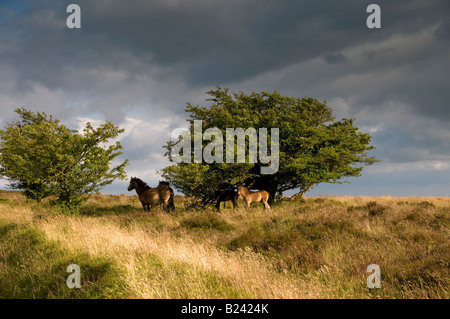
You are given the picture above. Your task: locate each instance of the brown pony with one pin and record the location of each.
(149, 197)
(250, 196)
(227, 195)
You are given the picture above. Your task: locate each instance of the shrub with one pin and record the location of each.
(374, 209)
(206, 221)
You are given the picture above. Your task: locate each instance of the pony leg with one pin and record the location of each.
(171, 204)
(218, 206)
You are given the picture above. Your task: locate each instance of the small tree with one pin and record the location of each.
(43, 157)
(313, 148)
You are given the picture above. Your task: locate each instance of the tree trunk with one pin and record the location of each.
(302, 192)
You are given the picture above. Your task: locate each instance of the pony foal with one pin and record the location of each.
(250, 196)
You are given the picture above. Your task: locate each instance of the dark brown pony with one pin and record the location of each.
(227, 195)
(163, 185)
(249, 196)
(149, 197)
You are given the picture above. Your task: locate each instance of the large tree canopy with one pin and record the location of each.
(44, 157)
(313, 147)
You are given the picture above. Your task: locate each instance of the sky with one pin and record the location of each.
(138, 64)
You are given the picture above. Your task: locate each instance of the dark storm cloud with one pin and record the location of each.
(212, 41)
(334, 58)
(206, 43)
(217, 41)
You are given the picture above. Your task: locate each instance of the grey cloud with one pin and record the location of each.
(443, 31)
(333, 58)
(212, 42)
(216, 41)
(397, 183)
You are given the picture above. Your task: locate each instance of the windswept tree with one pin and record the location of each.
(312, 147)
(43, 157)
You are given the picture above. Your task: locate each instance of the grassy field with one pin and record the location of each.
(318, 247)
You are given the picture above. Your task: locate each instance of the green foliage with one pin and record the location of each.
(43, 157)
(313, 148)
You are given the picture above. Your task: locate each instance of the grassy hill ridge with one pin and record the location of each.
(318, 247)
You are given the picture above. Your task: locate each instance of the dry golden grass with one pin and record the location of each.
(316, 248)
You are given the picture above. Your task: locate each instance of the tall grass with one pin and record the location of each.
(312, 248)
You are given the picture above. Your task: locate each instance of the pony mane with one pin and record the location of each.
(164, 183)
(141, 183)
